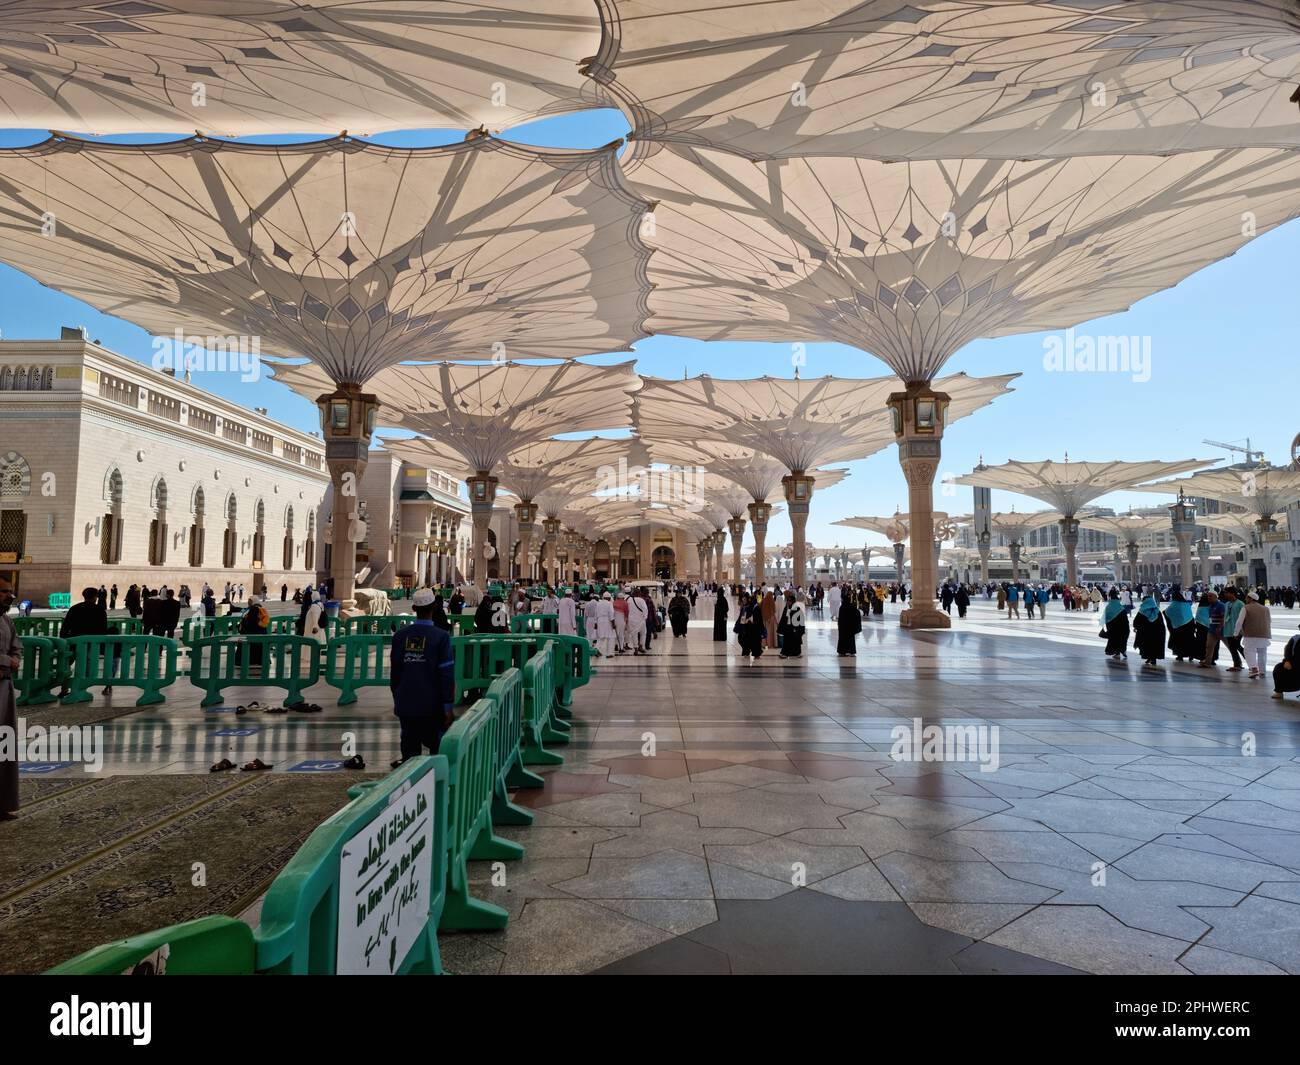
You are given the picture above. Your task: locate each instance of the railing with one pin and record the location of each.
(288, 662)
(146, 662)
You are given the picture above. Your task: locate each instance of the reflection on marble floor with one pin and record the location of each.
(717, 816)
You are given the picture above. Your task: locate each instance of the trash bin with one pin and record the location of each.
(331, 608)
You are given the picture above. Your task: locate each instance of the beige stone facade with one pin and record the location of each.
(114, 473)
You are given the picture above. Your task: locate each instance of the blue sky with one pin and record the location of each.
(1225, 365)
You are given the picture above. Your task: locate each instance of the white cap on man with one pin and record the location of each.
(423, 597)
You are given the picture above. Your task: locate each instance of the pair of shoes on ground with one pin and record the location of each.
(256, 765)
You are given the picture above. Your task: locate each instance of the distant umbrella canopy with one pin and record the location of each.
(756, 472)
(911, 261)
(1068, 486)
(1128, 528)
(277, 66)
(527, 471)
(896, 528)
(942, 79)
(802, 423)
(352, 255)
(483, 414)
(1263, 491)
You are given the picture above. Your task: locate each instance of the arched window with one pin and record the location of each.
(47, 379)
(110, 527)
(6, 379)
(230, 541)
(259, 535)
(158, 526)
(20, 379)
(15, 477)
(288, 539)
(34, 378)
(309, 547)
(196, 528)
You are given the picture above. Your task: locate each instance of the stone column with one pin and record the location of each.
(1132, 551)
(984, 562)
(1183, 518)
(719, 546)
(798, 488)
(899, 551)
(736, 526)
(551, 531)
(1070, 540)
(1013, 549)
(918, 414)
(482, 496)
(526, 518)
(347, 421)
(866, 565)
(1203, 552)
(759, 513)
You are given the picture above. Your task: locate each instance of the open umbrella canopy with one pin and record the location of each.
(1264, 491)
(350, 254)
(484, 413)
(931, 79)
(1068, 486)
(911, 261)
(1127, 528)
(529, 470)
(275, 66)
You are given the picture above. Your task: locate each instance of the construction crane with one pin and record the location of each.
(1247, 450)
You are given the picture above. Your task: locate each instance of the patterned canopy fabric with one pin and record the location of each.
(1068, 486)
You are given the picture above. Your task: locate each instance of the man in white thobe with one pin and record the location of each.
(568, 612)
(637, 613)
(833, 598)
(603, 613)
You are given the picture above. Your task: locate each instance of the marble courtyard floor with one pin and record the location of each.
(718, 816)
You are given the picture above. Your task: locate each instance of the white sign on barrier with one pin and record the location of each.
(385, 884)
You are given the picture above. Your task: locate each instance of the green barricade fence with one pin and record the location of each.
(48, 625)
(539, 700)
(353, 662)
(196, 629)
(146, 662)
(44, 659)
(288, 662)
(357, 872)
(535, 623)
(508, 694)
(461, 624)
(208, 946)
(60, 600)
(396, 593)
(283, 625)
(385, 624)
(126, 626)
(479, 661)
(470, 749)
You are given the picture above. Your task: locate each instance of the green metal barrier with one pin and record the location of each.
(508, 694)
(42, 670)
(479, 661)
(539, 699)
(48, 625)
(461, 624)
(208, 946)
(535, 623)
(126, 626)
(203, 628)
(353, 662)
(288, 662)
(396, 593)
(146, 662)
(470, 749)
(283, 625)
(60, 600)
(299, 929)
(383, 624)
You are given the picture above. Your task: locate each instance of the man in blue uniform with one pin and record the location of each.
(422, 674)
